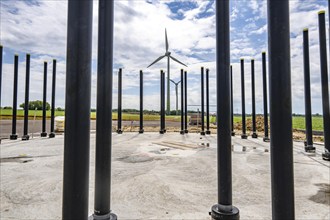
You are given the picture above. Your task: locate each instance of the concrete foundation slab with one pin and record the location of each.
(169, 176)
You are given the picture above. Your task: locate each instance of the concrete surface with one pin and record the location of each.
(159, 177)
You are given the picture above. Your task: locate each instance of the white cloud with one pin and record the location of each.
(139, 39)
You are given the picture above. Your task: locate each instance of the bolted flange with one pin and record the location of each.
(216, 214)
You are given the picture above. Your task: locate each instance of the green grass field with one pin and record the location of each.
(298, 122)
(7, 113)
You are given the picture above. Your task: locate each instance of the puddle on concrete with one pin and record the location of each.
(136, 158)
(323, 194)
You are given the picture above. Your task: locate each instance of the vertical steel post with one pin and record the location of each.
(141, 102)
(119, 111)
(243, 136)
(308, 107)
(281, 148)
(224, 208)
(254, 128)
(207, 103)
(264, 83)
(182, 102)
(162, 102)
(52, 117)
(44, 100)
(325, 85)
(185, 104)
(164, 112)
(26, 103)
(1, 58)
(13, 135)
(77, 110)
(202, 102)
(232, 101)
(102, 197)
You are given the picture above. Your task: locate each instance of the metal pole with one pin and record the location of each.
(264, 82)
(161, 131)
(26, 103)
(52, 117)
(1, 58)
(232, 101)
(164, 113)
(308, 107)
(182, 103)
(77, 110)
(185, 103)
(13, 135)
(281, 147)
(224, 208)
(325, 85)
(44, 100)
(243, 136)
(254, 129)
(141, 102)
(207, 103)
(119, 114)
(202, 101)
(102, 207)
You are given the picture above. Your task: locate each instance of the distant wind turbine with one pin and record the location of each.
(176, 93)
(168, 55)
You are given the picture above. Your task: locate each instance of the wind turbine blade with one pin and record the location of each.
(166, 41)
(158, 59)
(172, 81)
(178, 61)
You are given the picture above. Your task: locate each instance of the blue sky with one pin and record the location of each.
(39, 27)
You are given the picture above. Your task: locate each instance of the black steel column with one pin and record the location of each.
(162, 102)
(232, 101)
(243, 136)
(44, 100)
(264, 83)
(119, 112)
(185, 104)
(141, 102)
(26, 103)
(13, 135)
(164, 113)
(77, 110)
(308, 107)
(325, 85)
(207, 103)
(281, 148)
(1, 58)
(202, 101)
(102, 208)
(182, 103)
(224, 208)
(52, 117)
(254, 129)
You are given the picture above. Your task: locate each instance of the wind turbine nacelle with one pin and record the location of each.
(168, 53)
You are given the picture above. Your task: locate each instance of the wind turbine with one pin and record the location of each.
(168, 55)
(176, 93)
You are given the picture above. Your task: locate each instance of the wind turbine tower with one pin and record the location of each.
(176, 93)
(168, 55)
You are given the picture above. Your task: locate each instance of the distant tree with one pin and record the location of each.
(7, 107)
(37, 104)
(59, 109)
